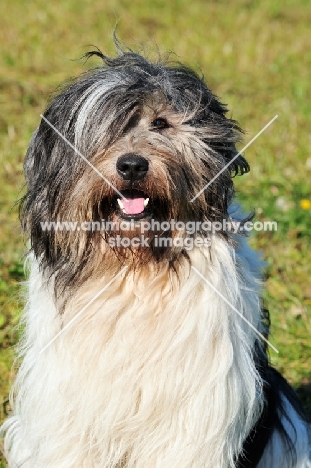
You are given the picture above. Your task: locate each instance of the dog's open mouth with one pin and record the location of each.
(134, 205)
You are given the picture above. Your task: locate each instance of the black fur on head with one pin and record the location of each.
(161, 114)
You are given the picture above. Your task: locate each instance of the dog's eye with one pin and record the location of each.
(159, 124)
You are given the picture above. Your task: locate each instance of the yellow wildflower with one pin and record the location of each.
(305, 204)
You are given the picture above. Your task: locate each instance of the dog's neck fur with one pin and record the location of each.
(173, 363)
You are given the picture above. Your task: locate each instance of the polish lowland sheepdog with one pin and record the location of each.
(145, 339)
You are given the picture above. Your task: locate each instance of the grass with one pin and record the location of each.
(255, 55)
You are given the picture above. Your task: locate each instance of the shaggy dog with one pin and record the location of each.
(145, 338)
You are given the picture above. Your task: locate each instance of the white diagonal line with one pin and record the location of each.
(235, 309)
(81, 155)
(82, 310)
(236, 156)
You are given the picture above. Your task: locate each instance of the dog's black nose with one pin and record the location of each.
(132, 167)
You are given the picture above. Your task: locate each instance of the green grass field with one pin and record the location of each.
(255, 55)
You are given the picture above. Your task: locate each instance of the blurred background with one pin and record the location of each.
(256, 55)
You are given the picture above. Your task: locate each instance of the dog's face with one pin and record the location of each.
(156, 134)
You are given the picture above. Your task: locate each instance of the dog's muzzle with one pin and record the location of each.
(133, 168)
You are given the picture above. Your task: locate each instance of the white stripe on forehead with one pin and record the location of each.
(91, 96)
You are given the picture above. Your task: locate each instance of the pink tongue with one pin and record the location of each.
(133, 205)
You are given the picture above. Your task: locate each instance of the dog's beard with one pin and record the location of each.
(163, 196)
(146, 221)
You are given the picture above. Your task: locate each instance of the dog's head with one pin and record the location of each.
(128, 142)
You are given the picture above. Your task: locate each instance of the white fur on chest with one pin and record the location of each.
(157, 372)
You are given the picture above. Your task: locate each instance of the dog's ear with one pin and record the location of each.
(29, 169)
(239, 164)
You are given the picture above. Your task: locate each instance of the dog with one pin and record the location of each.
(145, 339)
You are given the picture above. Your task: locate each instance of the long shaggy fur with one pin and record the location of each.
(158, 371)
